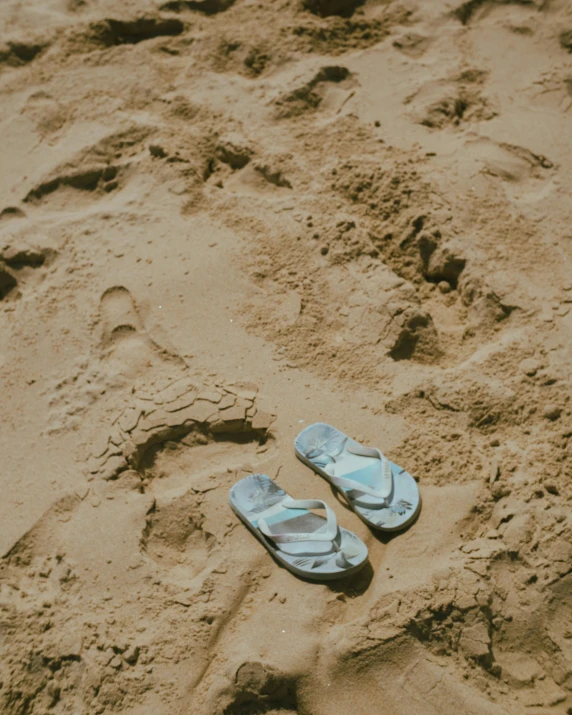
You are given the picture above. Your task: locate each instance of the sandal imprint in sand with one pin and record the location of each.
(306, 544)
(382, 494)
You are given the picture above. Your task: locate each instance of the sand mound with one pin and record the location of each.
(221, 221)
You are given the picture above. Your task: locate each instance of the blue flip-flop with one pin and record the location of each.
(383, 495)
(305, 543)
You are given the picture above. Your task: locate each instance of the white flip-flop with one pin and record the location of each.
(305, 543)
(383, 495)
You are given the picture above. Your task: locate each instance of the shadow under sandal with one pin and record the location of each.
(305, 543)
(382, 494)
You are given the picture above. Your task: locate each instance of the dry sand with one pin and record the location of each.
(219, 222)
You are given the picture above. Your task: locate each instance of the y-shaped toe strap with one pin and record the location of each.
(328, 532)
(385, 489)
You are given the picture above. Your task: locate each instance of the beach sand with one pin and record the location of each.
(220, 222)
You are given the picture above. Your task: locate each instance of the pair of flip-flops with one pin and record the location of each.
(383, 495)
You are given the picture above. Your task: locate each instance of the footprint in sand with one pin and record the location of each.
(123, 350)
(125, 342)
(119, 316)
(175, 537)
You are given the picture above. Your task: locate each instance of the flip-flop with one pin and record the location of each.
(382, 494)
(306, 544)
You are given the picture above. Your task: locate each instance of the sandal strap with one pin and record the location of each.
(386, 488)
(328, 532)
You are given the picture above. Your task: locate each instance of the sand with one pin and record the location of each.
(220, 222)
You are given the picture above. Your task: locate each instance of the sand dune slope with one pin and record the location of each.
(221, 221)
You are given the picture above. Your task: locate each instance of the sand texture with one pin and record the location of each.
(220, 222)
